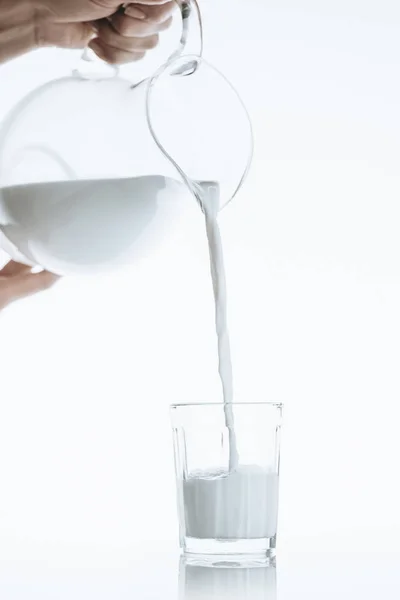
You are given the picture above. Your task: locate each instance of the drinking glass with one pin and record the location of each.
(225, 510)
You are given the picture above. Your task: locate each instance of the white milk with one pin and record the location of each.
(240, 505)
(73, 227)
(211, 205)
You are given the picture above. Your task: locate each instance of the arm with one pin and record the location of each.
(17, 28)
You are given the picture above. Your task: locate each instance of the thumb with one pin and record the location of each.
(68, 35)
(20, 286)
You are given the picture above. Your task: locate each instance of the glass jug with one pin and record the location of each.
(95, 169)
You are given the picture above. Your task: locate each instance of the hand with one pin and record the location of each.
(17, 281)
(117, 35)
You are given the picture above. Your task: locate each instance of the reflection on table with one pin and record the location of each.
(222, 581)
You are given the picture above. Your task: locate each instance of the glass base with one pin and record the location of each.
(218, 552)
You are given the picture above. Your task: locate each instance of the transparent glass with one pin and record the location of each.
(96, 169)
(207, 580)
(223, 511)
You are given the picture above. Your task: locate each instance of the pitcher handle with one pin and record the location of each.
(191, 14)
(93, 67)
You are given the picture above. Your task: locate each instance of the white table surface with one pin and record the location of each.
(159, 573)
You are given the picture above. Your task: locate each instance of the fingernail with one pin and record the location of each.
(136, 13)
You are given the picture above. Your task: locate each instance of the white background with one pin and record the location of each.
(313, 257)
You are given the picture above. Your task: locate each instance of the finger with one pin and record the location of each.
(152, 2)
(13, 268)
(22, 286)
(115, 56)
(115, 3)
(152, 13)
(111, 6)
(132, 27)
(109, 37)
(67, 35)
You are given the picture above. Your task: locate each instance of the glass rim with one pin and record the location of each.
(221, 404)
